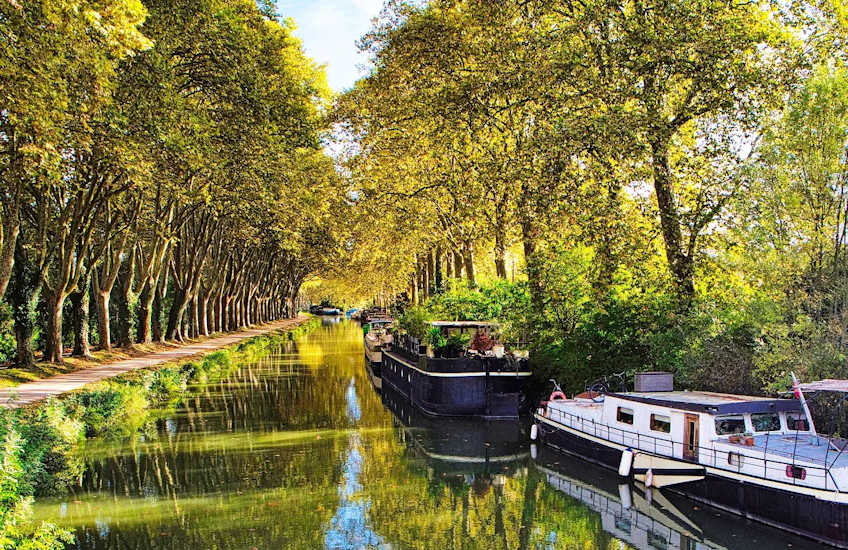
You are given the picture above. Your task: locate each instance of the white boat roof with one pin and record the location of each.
(828, 384)
(710, 402)
(463, 324)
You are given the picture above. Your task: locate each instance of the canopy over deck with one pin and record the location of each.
(463, 324)
(828, 384)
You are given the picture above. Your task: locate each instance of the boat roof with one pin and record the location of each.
(828, 384)
(711, 403)
(462, 324)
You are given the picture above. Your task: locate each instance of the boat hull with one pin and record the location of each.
(373, 370)
(374, 356)
(444, 393)
(803, 514)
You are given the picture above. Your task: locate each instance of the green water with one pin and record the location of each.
(298, 451)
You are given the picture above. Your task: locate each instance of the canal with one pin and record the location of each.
(297, 450)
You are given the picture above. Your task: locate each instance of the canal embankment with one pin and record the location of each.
(33, 392)
(40, 442)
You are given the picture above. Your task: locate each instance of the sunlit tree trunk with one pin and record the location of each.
(53, 344)
(469, 263)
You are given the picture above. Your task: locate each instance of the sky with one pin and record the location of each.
(329, 30)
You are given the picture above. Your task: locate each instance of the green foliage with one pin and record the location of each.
(435, 339)
(414, 322)
(458, 341)
(16, 530)
(502, 301)
(109, 408)
(7, 340)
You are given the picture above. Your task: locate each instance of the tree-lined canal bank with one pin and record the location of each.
(33, 392)
(293, 448)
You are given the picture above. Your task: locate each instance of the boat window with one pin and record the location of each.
(625, 416)
(797, 422)
(660, 423)
(656, 540)
(765, 422)
(735, 459)
(729, 425)
(795, 472)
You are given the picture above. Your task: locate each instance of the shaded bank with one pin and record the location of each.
(42, 445)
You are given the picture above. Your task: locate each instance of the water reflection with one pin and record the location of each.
(349, 527)
(297, 451)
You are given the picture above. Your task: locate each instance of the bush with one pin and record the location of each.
(16, 530)
(414, 322)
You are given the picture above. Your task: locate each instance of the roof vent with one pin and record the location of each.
(653, 381)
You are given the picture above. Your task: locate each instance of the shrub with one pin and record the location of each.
(414, 322)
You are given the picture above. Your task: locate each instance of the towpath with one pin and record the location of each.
(32, 392)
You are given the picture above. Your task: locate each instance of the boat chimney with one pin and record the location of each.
(653, 381)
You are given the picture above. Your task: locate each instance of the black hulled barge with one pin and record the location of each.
(483, 380)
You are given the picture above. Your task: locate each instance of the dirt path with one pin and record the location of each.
(31, 392)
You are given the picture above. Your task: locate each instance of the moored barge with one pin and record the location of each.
(757, 457)
(486, 383)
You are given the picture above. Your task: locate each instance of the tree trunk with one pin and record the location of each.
(219, 313)
(457, 264)
(425, 292)
(80, 302)
(530, 236)
(53, 345)
(438, 267)
(145, 303)
(500, 255)
(23, 292)
(156, 312)
(9, 230)
(175, 316)
(680, 264)
(104, 336)
(203, 315)
(469, 263)
(126, 301)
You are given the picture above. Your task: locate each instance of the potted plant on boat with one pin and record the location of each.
(436, 341)
(748, 439)
(456, 345)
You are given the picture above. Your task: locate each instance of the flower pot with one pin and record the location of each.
(734, 438)
(748, 441)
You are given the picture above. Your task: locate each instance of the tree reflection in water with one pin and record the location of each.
(297, 451)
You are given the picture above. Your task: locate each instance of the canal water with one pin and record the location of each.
(297, 450)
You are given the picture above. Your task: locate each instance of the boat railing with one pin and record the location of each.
(731, 460)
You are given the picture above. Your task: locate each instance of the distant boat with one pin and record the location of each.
(324, 310)
(758, 457)
(378, 334)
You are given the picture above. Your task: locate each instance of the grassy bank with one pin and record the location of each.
(38, 442)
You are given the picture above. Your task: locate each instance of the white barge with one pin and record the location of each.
(753, 456)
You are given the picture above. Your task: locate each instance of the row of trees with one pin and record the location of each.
(669, 174)
(161, 158)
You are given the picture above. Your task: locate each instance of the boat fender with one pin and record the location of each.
(625, 496)
(534, 432)
(649, 478)
(626, 462)
(556, 395)
(533, 451)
